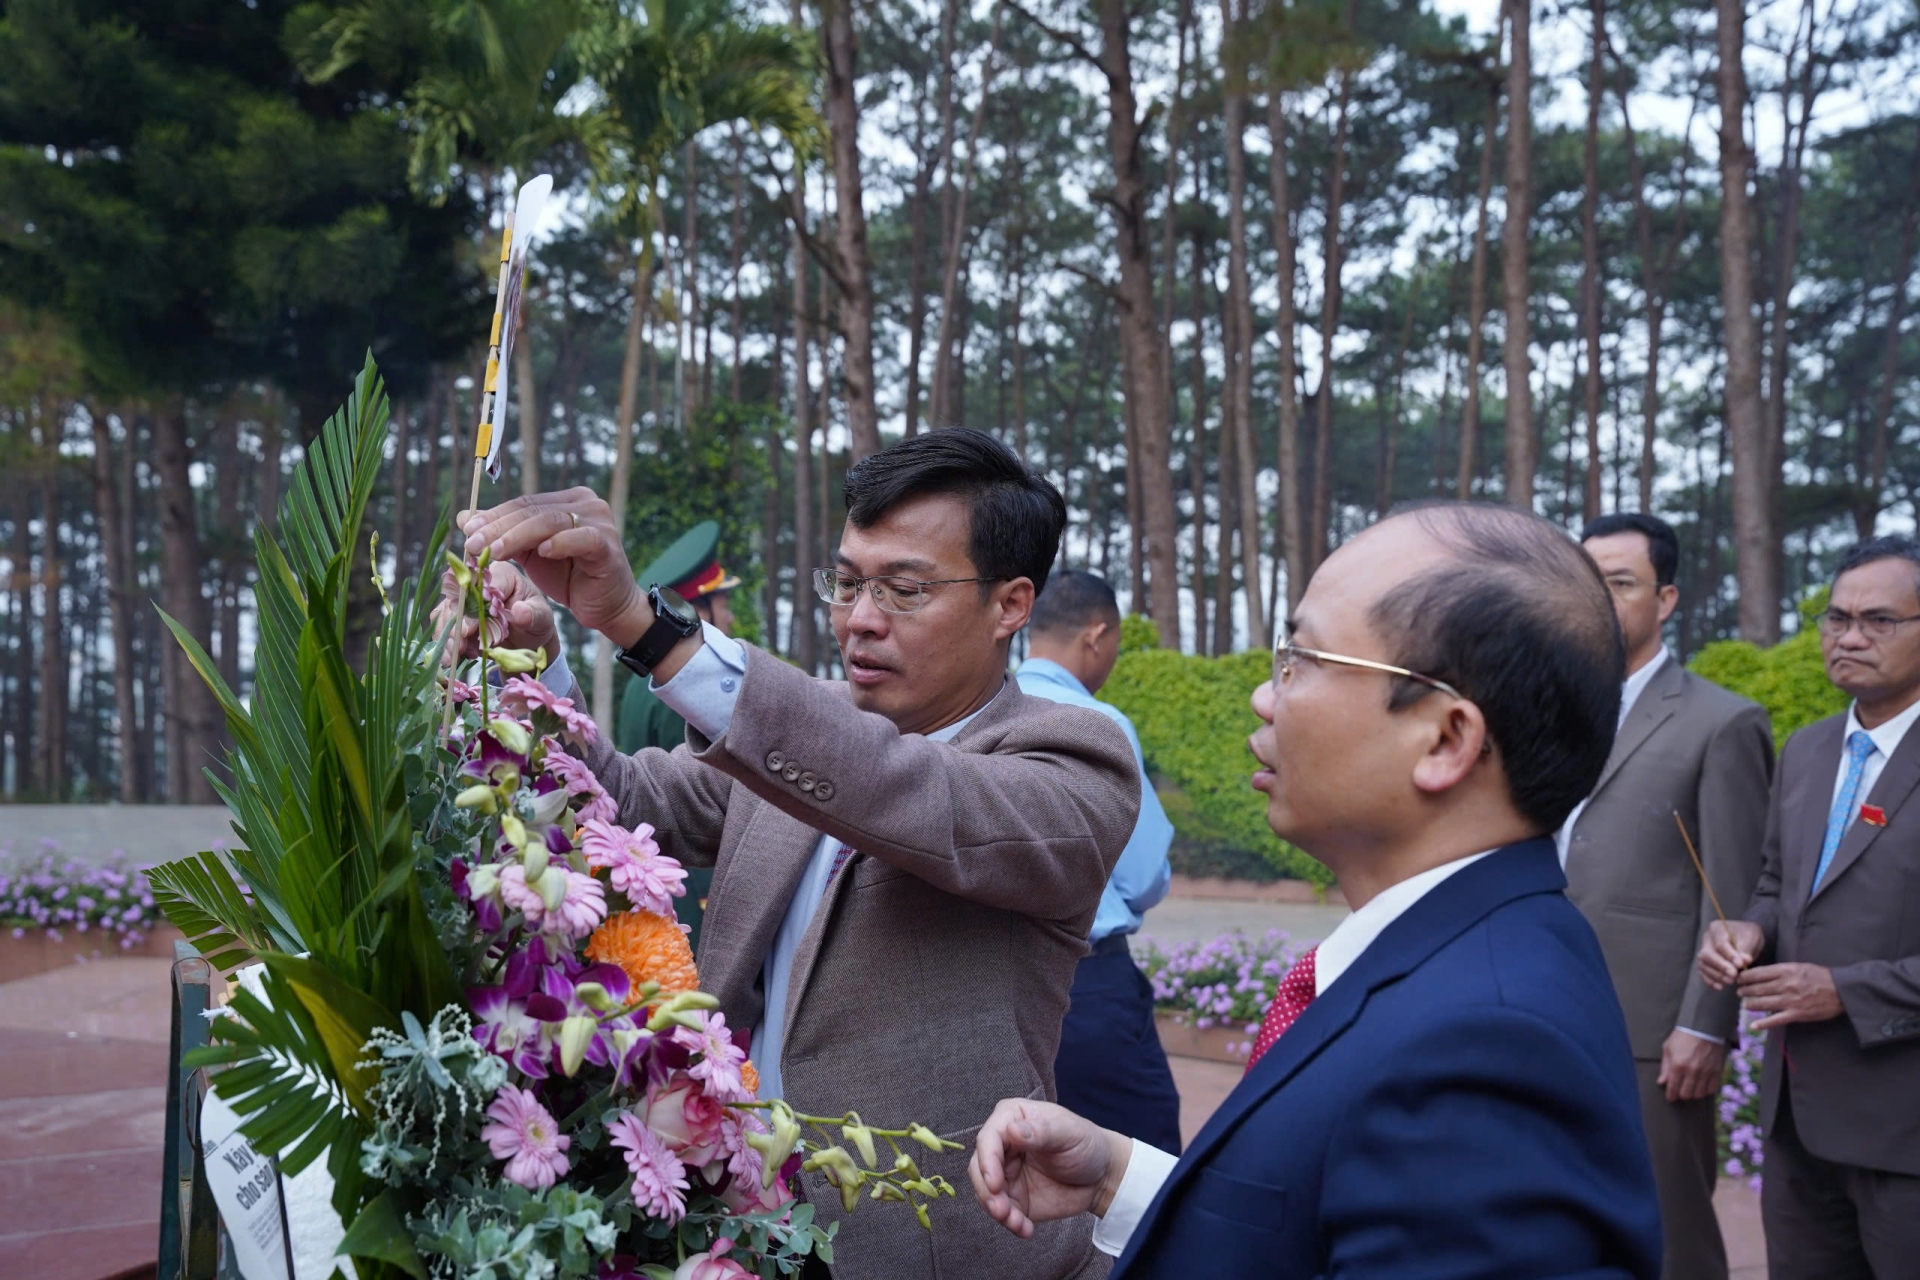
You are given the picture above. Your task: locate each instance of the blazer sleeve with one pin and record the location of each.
(1033, 826)
(1732, 832)
(1764, 907)
(1881, 999)
(684, 800)
(1492, 1145)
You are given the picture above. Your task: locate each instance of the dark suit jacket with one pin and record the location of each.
(1460, 1102)
(1855, 1078)
(1687, 746)
(935, 976)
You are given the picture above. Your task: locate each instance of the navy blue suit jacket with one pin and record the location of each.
(1459, 1103)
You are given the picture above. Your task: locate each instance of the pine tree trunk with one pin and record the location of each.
(850, 229)
(1477, 308)
(1141, 345)
(805, 631)
(1867, 504)
(621, 479)
(403, 424)
(1240, 352)
(190, 705)
(944, 409)
(1522, 454)
(1590, 259)
(1755, 570)
(25, 707)
(1286, 329)
(51, 779)
(1329, 326)
(737, 248)
(113, 546)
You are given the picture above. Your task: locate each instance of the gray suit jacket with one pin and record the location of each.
(1691, 747)
(1855, 1078)
(935, 976)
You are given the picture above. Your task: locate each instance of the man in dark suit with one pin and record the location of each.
(1836, 918)
(1443, 1087)
(1688, 752)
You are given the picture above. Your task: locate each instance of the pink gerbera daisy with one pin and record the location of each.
(634, 864)
(526, 1136)
(720, 1059)
(659, 1179)
(527, 695)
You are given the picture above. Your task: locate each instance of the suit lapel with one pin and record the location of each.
(751, 889)
(1449, 909)
(1894, 784)
(1809, 802)
(1653, 708)
(977, 736)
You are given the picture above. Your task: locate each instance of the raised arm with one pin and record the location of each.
(1034, 826)
(1731, 831)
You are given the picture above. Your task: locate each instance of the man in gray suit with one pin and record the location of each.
(1686, 747)
(906, 862)
(1836, 919)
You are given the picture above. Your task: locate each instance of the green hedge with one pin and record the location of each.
(1789, 679)
(1193, 717)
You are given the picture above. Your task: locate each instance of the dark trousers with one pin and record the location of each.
(1828, 1221)
(1111, 1068)
(1682, 1142)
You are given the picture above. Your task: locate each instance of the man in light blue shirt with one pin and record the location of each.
(1110, 1066)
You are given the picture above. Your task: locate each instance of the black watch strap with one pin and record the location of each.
(673, 621)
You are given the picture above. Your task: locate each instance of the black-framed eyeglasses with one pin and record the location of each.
(895, 595)
(1287, 656)
(1874, 626)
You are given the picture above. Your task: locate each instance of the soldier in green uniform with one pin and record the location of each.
(691, 567)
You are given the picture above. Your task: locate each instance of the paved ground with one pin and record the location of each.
(82, 1095)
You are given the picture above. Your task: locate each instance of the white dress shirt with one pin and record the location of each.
(1886, 740)
(1148, 1166)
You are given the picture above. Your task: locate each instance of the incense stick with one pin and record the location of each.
(1699, 866)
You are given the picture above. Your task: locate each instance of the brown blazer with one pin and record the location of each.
(1855, 1078)
(935, 977)
(1691, 747)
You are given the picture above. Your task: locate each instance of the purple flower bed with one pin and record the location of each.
(1740, 1109)
(59, 895)
(1228, 982)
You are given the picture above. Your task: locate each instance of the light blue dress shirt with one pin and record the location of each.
(1142, 876)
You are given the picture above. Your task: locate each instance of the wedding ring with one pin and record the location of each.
(574, 516)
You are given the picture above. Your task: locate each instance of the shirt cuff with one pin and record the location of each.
(1147, 1168)
(705, 689)
(558, 678)
(1701, 1035)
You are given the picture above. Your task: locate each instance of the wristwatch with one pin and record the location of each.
(673, 621)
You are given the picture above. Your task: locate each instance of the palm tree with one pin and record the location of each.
(667, 70)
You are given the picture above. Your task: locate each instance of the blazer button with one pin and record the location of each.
(775, 761)
(806, 782)
(823, 790)
(791, 773)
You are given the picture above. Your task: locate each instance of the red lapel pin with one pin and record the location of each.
(1873, 815)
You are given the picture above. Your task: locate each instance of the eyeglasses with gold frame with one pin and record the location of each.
(1287, 655)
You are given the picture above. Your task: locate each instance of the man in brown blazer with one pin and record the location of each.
(1686, 747)
(906, 862)
(1836, 919)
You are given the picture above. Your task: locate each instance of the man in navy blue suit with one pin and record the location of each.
(1444, 1087)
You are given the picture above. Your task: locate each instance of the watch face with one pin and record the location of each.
(668, 601)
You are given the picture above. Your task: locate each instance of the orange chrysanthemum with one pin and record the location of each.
(649, 947)
(750, 1075)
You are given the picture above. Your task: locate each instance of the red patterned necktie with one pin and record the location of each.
(1290, 1000)
(840, 857)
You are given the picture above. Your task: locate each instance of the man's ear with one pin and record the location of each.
(1669, 598)
(1016, 606)
(1094, 633)
(1457, 741)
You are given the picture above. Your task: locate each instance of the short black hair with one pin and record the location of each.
(1016, 516)
(1518, 620)
(1072, 601)
(1663, 545)
(1893, 546)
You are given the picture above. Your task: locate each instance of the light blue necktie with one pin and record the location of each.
(1846, 800)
